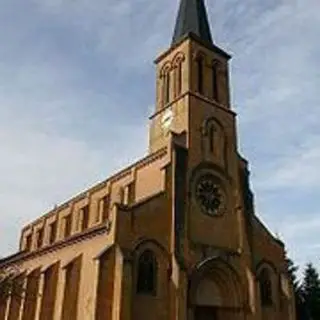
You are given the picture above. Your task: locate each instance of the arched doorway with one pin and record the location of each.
(208, 298)
(215, 292)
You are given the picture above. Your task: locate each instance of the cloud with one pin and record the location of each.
(40, 169)
(275, 84)
(60, 131)
(78, 81)
(298, 170)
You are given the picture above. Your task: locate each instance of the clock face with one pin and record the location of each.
(209, 195)
(166, 119)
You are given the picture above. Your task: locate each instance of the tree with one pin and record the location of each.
(311, 291)
(292, 273)
(11, 283)
(292, 270)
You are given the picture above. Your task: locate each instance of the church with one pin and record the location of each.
(173, 236)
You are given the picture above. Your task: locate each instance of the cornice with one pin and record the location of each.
(212, 102)
(24, 256)
(168, 105)
(195, 95)
(140, 203)
(261, 224)
(192, 36)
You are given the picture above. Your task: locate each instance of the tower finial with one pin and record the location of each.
(192, 18)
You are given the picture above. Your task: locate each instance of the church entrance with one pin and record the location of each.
(215, 292)
(206, 313)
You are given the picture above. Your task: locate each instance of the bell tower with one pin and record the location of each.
(193, 98)
(192, 68)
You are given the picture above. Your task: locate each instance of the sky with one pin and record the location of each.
(77, 86)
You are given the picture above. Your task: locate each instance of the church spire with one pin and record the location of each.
(192, 18)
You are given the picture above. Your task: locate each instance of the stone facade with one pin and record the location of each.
(173, 236)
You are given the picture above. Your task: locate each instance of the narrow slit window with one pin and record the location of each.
(215, 90)
(211, 138)
(85, 218)
(104, 209)
(179, 78)
(28, 242)
(200, 74)
(67, 226)
(167, 87)
(53, 232)
(40, 238)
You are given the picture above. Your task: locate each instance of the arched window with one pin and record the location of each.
(215, 89)
(147, 273)
(179, 78)
(215, 141)
(200, 74)
(178, 73)
(265, 287)
(211, 138)
(166, 89)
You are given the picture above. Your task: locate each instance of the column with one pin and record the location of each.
(105, 289)
(126, 298)
(60, 293)
(71, 290)
(183, 296)
(39, 298)
(16, 299)
(3, 308)
(117, 289)
(23, 297)
(31, 296)
(49, 292)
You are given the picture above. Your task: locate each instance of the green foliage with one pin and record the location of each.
(11, 283)
(292, 270)
(311, 291)
(307, 291)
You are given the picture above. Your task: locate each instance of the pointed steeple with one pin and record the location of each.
(192, 18)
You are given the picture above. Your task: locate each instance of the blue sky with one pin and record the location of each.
(66, 120)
